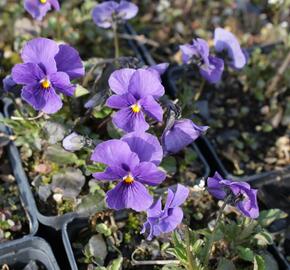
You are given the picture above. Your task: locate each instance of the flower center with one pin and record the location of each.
(43, 1)
(45, 83)
(128, 179)
(135, 108)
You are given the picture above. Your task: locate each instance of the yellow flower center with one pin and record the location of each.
(43, 1)
(135, 108)
(45, 83)
(128, 179)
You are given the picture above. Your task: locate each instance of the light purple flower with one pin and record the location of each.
(136, 95)
(38, 8)
(226, 41)
(210, 67)
(132, 161)
(244, 197)
(106, 13)
(182, 133)
(158, 69)
(166, 220)
(73, 142)
(8, 83)
(47, 68)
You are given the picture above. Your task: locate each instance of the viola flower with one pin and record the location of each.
(136, 95)
(226, 41)
(132, 161)
(8, 83)
(47, 68)
(182, 133)
(158, 69)
(106, 13)
(73, 142)
(164, 221)
(244, 197)
(38, 8)
(210, 67)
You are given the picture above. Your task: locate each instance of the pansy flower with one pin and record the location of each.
(182, 133)
(106, 13)
(166, 220)
(244, 197)
(226, 41)
(210, 67)
(47, 70)
(38, 8)
(158, 69)
(136, 95)
(132, 161)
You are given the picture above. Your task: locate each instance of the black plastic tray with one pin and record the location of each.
(21, 252)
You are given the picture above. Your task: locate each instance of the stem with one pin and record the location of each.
(190, 259)
(212, 236)
(116, 40)
(199, 92)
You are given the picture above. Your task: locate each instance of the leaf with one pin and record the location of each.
(264, 238)
(266, 217)
(259, 263)
(225, 264)
(270, 262)
(98, 248)
(246, 253)
(81, 91)
(91, 204)
(54, 131)
(58, 155)
(116, 264)
(169, 165)
(103, 229)
(69, 183)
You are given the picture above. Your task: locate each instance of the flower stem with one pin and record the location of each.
(199, 92)
(191, 262)
(116, 40)
(212, 236)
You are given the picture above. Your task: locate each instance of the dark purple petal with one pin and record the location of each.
(152, 108)
(102, 13)
(115, 153)
(144, 83)
(148, 173)
(129, 121)
(41, 51)
(68, 60)
(226, 41)
(55, 4)
(134, 196)
(120, 101)
(111, 173)
(28, 73)
(120, 79)
(127, 10)
(36, 9)
(183, 133)
(213, 71)
(159, 69)
(249, 206)
(215, 187)
(176, 196)
(145, 145)
(8, 83)
(61, 82)
(173, 219)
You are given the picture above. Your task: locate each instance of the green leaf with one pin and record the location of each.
(259, 263)
(103, 229)
(270, 262)
(81, 91)
(225, 264)
(264, 238)
(116, 264)
(58, 155)
(266, 217)
(245, 253)
(169, 165)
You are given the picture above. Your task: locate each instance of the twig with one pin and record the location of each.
(140, 38)
(274, 82)
(29, 118)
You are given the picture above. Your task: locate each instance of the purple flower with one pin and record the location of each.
(106, 13)
(73, 142)
(38, 8)
(47, 67)
(244, 197)
(8, 83)
(166, 220)
(182, 133)
(226, 41)
(158, 69)
(136, 95)
(132, 161)
(210, 67)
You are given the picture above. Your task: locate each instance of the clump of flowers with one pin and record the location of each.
(47, 70)
(38, 8)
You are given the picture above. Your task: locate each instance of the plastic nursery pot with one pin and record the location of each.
(17, 254)
(25, 194)
(53, 221)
